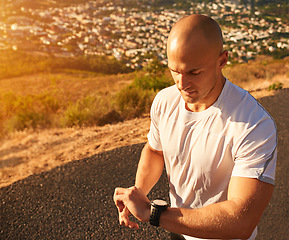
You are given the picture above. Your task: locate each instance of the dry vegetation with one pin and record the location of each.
(51, 100)
(68, 97)
(81, 98)
(58, 113)
(260, 72)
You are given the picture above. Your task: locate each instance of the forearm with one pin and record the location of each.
(235, 218)
(149, 169)
(219, 221)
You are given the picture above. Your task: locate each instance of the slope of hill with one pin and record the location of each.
(32, 151)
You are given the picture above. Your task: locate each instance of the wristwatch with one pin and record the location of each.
(157, 207)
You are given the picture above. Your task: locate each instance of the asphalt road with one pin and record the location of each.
(74, 201)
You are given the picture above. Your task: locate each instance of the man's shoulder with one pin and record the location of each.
(242, 106)
(169, 90)
(167, 98)
(167, 94)
(234, 92)
(237, 98)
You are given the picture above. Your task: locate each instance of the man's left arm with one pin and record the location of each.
(236, 217)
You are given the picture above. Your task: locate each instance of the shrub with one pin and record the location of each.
(109, 118)
(245, 72)
(27, 119)
(275, 86)
(30, 111)
(136, 99)
(87, 111)
(155, 77)
(133, 102)
(152, 82)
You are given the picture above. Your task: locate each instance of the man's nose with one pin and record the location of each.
(182, 82)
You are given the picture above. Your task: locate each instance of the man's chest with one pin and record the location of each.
(199, 141)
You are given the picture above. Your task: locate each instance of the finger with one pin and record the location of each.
(118, 199)
(119, 191)
(133, 225)
(125, 192)
(124, 216)
(120, 206)
(116, 192)
(125, 221)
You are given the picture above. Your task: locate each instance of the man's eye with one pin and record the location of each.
(194, 73)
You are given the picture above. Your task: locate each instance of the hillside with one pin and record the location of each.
(28, 152)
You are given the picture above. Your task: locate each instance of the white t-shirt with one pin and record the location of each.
(202, 150)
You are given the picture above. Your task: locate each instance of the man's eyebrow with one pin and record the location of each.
(172, 69)
(191, 70)
(195, 69)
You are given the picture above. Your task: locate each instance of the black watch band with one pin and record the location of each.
(157, 207)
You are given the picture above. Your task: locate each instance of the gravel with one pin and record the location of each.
(74, 201)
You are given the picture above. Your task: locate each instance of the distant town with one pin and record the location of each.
(134, 36)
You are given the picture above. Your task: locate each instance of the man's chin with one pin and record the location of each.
(189, 99)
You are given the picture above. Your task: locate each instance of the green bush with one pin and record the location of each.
(27, 119)
(30, 111)
(87, 111)
(111, 117)
(133, 102)
(275, 86)
(136, 99)
(56, 108)
(152, 82)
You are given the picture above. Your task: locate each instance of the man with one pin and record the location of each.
(217, 143)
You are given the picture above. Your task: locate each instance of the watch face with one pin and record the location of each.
(160, 202)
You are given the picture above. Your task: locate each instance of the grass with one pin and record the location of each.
(19, 63)
(275, 86)
(262, 68)
(72, 98)
(83, 98)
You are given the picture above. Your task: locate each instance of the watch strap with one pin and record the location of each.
(156, 212)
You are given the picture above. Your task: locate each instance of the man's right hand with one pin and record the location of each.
(131, 201)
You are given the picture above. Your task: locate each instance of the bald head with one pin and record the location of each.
(195, 31)
(196, 59)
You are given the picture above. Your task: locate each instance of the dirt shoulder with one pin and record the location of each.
(26, 153)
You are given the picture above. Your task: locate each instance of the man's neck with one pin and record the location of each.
(209, 100)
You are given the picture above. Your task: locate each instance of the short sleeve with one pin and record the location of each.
(154, 134)
(257, 154)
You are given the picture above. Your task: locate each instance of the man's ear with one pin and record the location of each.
(223, 59)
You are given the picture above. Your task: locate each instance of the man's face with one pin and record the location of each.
(196, 72)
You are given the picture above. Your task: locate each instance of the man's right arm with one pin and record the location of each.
(149, 169)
